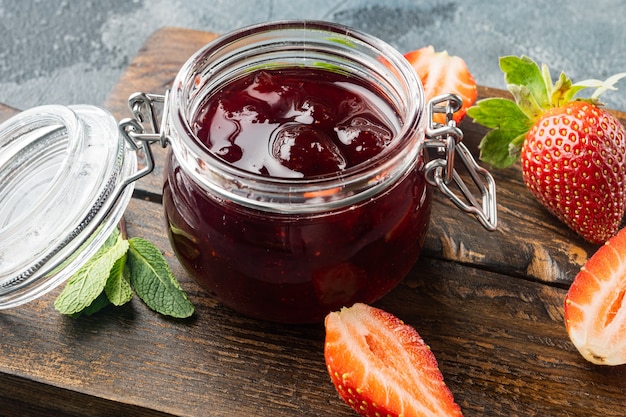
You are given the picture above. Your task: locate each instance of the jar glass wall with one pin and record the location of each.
(292, 249)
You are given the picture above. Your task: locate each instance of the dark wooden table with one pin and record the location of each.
(490, 305)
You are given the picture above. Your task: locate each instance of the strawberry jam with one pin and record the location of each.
(312, 123)
(296, 124)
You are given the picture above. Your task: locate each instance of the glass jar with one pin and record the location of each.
(273, 247)
(293, 249)
(66, 176)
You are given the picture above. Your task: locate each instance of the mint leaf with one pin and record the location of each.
(98, 304)
(110, 275)
(89, 281)
(154, 282)
(112, 239)
(117, 288)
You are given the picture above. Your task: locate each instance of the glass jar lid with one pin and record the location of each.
(63, 188)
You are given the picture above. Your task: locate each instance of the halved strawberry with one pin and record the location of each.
(595, 306)
(441, 74)
(382, 367)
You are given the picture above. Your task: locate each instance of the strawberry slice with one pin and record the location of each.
(382, 367)
(441, 74)
(595, 307)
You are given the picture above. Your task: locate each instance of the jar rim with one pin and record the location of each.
(321, 40)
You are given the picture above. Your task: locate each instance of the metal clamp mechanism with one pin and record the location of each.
(440, 172)
(134, 129)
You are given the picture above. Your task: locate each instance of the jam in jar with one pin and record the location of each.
(295, 180)
(307, 124)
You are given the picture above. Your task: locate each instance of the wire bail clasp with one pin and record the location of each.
(144, 129)
(440, 172)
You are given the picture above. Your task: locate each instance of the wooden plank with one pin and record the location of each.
(217, 363)
(529, 243)
(479, 299)
(22, 397)
(500, 342)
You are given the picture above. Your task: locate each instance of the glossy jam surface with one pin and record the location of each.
(296, 267)
(296, 123)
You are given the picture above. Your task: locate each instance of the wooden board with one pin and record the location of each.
(6, 112)
(488, 304)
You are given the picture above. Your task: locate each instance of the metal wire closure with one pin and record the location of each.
(134, 129)
(440, 172)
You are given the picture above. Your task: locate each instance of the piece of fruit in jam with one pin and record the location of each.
(291, 123)
(296, 123)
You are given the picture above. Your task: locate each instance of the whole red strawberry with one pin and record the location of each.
(573, 152)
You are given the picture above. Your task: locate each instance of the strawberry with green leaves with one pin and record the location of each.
(380, 366)
(572, 151)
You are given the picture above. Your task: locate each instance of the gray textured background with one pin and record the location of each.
(71, 51)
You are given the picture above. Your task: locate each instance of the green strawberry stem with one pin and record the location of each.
(534, 93)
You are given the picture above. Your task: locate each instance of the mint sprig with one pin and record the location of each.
(120, 268)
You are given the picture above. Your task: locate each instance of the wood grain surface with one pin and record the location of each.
(488, 304)
(6, 112)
